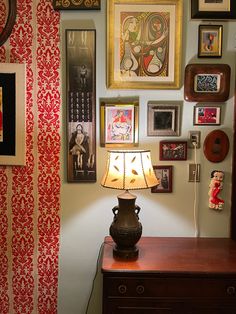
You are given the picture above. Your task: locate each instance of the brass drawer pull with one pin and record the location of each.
(231, 290)
(122, 289)
(140, 289)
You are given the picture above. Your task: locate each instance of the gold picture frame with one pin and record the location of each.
(144, 44)
(210, 41)
(119, 123)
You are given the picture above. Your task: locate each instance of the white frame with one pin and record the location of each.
(19, 158)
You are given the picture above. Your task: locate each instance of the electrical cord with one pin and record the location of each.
(195, 207)
(95, 276)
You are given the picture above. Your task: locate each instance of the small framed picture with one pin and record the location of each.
(207, 115)
(213, 9)
(164, 118)
(119, 122)
(76, 5)
(210, 41)
(207, 82)
(173, 150)
(164, 176)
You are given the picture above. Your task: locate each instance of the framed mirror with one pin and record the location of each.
(10, 18)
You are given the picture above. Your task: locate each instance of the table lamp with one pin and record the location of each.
(127, 170)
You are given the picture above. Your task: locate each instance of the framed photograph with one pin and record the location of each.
(164, 118)
(164, 175)
(76, 5)
(207, 115)
(210, 41)
(207, 82)
(173, 150)
(12, 114)
(81, 104)
(213, 9)
(119, 122)
(144, 44)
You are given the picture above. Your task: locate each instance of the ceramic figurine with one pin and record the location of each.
(216, 185)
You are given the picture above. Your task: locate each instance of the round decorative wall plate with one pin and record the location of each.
(216, 146)
(10, 21)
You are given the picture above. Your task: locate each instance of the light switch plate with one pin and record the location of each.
(194, 173)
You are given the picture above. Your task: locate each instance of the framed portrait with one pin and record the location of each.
(81, 104)
(164, 118)
(164, 175)
(207, 82)
(76, 5)
(210, 41)
(144, 44)
(12, 114)
(207, 115)
(119, 122)
(213, 9)
(173, 150)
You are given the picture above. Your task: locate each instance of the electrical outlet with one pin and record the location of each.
(194, 137)
(194, 173)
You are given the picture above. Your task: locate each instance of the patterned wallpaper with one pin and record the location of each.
(30, 195)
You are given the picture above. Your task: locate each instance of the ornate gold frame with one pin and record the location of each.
(172, 11)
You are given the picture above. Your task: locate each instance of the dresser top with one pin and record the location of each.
(175, 255)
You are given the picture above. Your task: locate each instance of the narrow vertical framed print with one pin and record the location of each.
(81, 104)
(144, 44)
(12, 114)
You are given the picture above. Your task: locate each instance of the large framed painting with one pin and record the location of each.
(213, 9)
(207, 82)
(77, 4)
(119, 122)
(81, 104)
(12, 114)
(144, 44)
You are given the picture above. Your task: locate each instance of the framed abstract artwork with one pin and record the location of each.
(207, 115)
(210, 41)
(12, 114)
(144, 44)
(207, 82)
(119, 122)
(164, 176)
(173, 150)
(77, 4)
(81, 104)
(164, 118)
(213, 9)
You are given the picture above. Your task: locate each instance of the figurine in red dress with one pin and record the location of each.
(216, 185)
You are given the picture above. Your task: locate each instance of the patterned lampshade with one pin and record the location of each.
(129, 170)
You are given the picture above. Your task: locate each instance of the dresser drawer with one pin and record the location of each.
(170, 287)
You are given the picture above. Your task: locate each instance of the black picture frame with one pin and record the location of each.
(81, 104)
(212, 15)
(79, 5)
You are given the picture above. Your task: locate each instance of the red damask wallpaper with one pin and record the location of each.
(30, 195)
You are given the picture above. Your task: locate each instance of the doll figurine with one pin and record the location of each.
(216, 185)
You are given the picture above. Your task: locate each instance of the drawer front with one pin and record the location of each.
(170, 287)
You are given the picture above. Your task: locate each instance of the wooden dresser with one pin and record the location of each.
(171, 275)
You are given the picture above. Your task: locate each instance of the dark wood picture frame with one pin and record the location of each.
(10, 21)
(173, 150)
(207, 115)
(81, 104)
(213, 14)
(207, 82)
(210, 38)
(80, 5)
(165, 176)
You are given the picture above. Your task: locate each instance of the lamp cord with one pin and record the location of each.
(195, 207)
(94, 278)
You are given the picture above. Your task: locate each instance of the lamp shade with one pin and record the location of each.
(129, 170)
